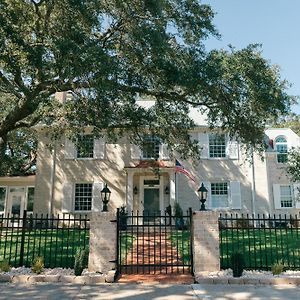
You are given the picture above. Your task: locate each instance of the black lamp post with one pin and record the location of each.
(105, 196)
(202, 193)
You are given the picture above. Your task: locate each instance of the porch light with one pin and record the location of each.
(105, 196)
(135, 190)
(202, 194)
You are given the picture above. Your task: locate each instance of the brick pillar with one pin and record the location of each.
(103, 242)
(205, 231)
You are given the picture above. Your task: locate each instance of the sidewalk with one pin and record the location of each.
(147, 291)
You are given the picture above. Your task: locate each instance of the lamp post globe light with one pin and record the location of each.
(105, 196)
(202, 194)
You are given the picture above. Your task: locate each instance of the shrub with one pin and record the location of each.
(81, 261)
(237, 264)
(4, 266)
(38, 265)
(277, 268)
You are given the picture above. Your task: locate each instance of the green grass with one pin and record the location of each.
(181, 241)
(261, 247)
(57, 246)
(125, 243)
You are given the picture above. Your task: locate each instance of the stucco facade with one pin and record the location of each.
(236, 183)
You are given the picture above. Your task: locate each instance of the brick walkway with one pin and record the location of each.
(153, 259)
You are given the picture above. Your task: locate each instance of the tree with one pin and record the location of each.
(111, 53)
(290, 120)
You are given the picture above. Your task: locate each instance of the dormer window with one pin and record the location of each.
(281, 149)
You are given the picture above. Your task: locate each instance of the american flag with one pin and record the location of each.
(179, 168)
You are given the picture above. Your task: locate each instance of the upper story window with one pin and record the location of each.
(282, 149)
(286, 198)
(83, 196)
(219, 194)
(150, 148)
(217, 145)
(85, 146)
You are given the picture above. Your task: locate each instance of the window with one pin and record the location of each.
(150, 148)
(217, 145)
(83, 196)
(286, 199)
(30, 198)
(219, 194)
(2, 198)
(85, 146)
(282, 149)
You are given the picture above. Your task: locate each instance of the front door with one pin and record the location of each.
(151, 201)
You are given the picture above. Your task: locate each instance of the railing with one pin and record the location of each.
(56, 239)
(264, 240)
(154, 243)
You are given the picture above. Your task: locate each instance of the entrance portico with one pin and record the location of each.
(149, 191)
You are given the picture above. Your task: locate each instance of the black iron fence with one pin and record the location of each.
(154, 243)
(263, 240)
(56, 239)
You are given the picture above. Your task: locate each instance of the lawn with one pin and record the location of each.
(261, 247)
(180, 240)
(56, 246)
(125, 244)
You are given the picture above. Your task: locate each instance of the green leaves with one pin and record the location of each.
(111, 53)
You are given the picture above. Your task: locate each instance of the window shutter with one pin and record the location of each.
(203, 143)
(99, 148)
(232, 149)
(276, 194)
(69, 149)
(296, 187)
(67, 201)
(96, 202)
(235, 195)
(136, 152)
(164, 152)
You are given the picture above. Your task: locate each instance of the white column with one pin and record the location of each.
(129, 192)
(172, 189)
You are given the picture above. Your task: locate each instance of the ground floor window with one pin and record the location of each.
(286, 198)
(83, 196)
(219, 194)
(2, 198)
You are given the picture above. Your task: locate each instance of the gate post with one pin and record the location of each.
(205, 235)
(103, 242)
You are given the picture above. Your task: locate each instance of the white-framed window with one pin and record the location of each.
(2, 198)
(151, 148)
(219, 194)
(281, 149)
(83, 196)
(286, 196)
(85, 146)
(217, 145)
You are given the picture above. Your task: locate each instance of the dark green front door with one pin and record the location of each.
(151, 201)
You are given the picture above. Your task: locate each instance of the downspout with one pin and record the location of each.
(52, 184)
(253, 188)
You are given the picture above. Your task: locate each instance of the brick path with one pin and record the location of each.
(153, 259)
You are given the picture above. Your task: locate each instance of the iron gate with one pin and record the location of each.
(154, 243)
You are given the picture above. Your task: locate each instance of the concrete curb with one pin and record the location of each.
(85, 279)
(253, 281)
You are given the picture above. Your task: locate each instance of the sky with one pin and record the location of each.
(273, 23)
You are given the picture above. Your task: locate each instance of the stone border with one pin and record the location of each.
(254, 281)
(85, 279)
